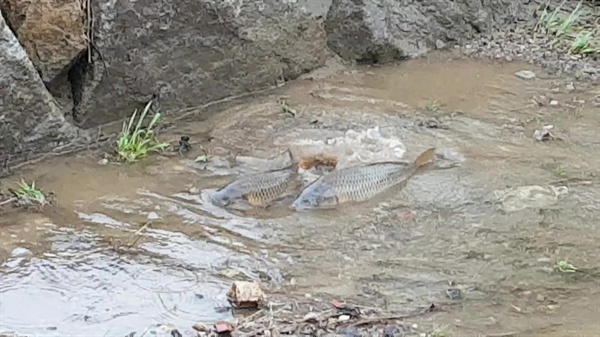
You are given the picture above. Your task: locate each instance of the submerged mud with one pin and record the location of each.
(128, 247)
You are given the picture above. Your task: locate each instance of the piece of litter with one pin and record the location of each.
(201, 159)
(544, 134)
(223, 326)
(338, 304)
(344, 318)
(245, 294)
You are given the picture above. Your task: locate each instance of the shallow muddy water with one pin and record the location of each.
(83, 268)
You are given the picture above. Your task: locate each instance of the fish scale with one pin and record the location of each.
(358, 183)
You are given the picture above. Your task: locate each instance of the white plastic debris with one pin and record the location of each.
(544, 133)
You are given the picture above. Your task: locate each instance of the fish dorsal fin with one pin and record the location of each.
(389, 162)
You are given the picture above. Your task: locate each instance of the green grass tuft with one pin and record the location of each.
(584, 44)
(565, 267)
(28, 195)
(580, 40)
(135, 142)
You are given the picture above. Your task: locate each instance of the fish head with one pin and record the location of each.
(224, 197)
(315, 196)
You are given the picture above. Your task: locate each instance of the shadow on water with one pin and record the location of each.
(132, 246)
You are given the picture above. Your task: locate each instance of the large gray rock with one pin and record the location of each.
(192, 52)
(29, 116)
(383, 30)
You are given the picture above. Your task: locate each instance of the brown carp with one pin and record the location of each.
(260, 189)
(358, 183)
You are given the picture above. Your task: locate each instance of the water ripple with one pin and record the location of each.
(80, 292)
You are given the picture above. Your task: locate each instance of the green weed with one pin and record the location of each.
(560, 171)
(565, 267)
(28, 195)
(432, 106)
(136, 142)
(553, 23)
(438, 332)
(567, 24)
(584, 44)
(568, 29)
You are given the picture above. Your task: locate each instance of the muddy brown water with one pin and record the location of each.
(81, 270)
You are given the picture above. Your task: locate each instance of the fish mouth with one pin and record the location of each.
(297, 206)
(217, 199)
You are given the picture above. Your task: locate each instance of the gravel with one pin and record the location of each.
(518, 41)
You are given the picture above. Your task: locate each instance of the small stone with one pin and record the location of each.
(200, 327)
(553, 102)
(194, 190)
(570, 87)
(21, 252)
(344, 318)
(439, 44)
(103, 161)
(525, 74)
(153, 216)
(453, 294)
(540, 298)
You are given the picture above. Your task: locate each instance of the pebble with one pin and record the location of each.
(515, 41)
(153, 216)
(553, 102)
(453, 294)
(525, 74)
(103, 161)
(21, 252)
(439, 44)
(344, 318)
(570, 87)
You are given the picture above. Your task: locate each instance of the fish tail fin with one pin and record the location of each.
(295, 163)
(425, 157)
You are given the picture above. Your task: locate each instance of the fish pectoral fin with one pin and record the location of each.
(425, 157)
